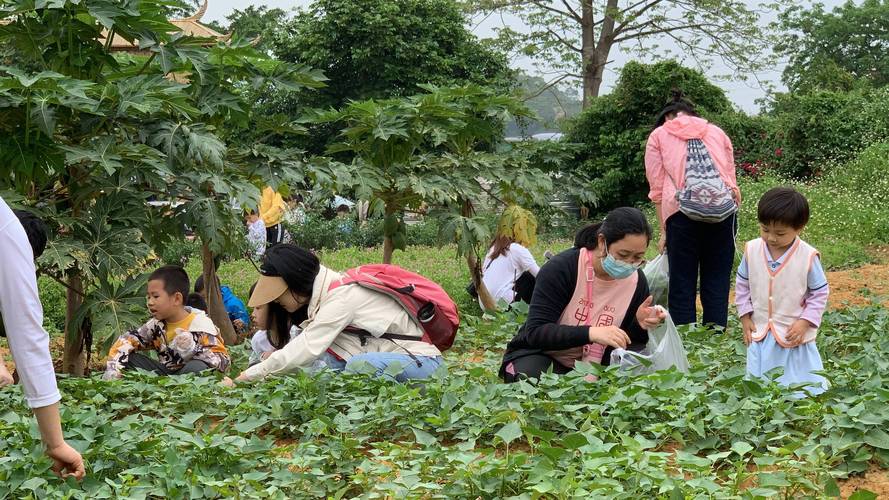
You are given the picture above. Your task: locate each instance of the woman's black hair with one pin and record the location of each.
(678, 103)
(297, 266)
(35, 229)
(618, 224)
(196, 300)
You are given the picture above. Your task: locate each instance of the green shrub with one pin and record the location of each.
(320, 233)
(52, 296)
(755, 140)
(614, 128)
(179, 252)
(824, 128)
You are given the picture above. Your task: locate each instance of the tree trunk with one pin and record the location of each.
(475, 270)
(388, 249)
(467, 209)
(215, 306)
(594, 54)
(388, 244)
(74, 360)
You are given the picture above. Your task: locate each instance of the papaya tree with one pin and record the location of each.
(441, 149)
(89, 136)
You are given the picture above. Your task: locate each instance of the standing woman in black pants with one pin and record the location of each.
(588, 300)
(689, 163)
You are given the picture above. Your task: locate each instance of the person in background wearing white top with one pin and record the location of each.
(256, 233)
(509, 271)
(23, 322)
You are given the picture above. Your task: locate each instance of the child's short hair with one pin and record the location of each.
(196, 301)
(175, 279)
(199, 284)
(784, 205)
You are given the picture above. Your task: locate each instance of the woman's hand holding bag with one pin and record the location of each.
(648, 315)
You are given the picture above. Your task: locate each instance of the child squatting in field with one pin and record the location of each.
(185, 339)
(781, 293)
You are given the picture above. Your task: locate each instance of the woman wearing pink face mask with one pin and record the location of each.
(694, 246)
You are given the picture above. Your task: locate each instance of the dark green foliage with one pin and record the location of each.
(836, 50)
(320, 233)
(614, 128)
(387, 48)
(756, 140)
(823, 128)
(377, 49)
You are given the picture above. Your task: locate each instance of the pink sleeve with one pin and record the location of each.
(815, 304)
(732, 171)
(654, 168)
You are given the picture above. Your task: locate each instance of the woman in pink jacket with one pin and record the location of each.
(693, 246)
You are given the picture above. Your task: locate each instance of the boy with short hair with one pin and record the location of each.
(186, 340)
(781, 293)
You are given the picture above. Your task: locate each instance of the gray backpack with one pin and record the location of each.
(704, 197)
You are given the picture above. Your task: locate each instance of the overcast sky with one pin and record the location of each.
(742, 93)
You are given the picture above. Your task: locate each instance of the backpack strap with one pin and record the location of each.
(363, 335)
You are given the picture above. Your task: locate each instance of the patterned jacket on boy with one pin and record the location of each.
(208, 343)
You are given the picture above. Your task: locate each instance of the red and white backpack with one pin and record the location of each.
(425, 301)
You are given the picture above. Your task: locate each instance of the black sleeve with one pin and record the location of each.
(552, 293)
(638, 335)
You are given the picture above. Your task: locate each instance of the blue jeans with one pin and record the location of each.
(378, 363)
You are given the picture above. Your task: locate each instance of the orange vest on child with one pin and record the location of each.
(779, 296)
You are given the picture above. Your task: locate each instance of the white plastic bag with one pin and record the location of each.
(664, 350)
(657, 273)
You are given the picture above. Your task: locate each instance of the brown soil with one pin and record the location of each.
(875, 480)
(859, 287)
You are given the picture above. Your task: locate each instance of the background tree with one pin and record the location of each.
(438, 149)
(372, 49)
(551, 105)
(835, 50)
(257, 24)
(89, 136)
(574, 39)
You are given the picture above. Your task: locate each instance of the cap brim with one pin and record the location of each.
(268, 288)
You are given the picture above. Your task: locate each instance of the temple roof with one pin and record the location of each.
(189, 26)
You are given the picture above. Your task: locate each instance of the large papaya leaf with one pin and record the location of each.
(112, 307)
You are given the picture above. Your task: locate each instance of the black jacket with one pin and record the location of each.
(556, 282)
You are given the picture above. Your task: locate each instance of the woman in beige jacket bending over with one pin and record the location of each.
(348, 328)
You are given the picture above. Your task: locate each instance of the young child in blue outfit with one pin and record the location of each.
(234, 306)
(781, 293)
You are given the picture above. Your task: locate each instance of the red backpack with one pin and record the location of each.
(424, 300)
